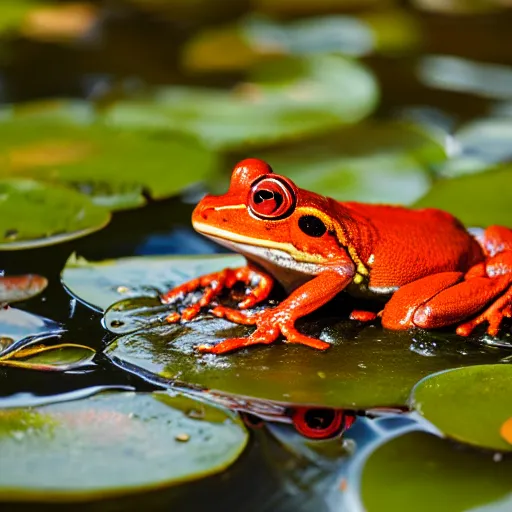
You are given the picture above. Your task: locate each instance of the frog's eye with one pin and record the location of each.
(271, 198)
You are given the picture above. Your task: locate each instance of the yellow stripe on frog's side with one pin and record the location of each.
(301, 256)
(341, 235)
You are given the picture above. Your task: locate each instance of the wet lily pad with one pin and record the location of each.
(19, 329)
(73, 451)
(63, 143)
(34, 214)
(306, 96)
(477, 199)
(433, 474)
(366, 367)
(372, 162)
(468, 404)
(20, 288)
(53, 358)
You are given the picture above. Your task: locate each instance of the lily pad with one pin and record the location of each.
(34, 214)
(64, 144)
(433, 475)
(469, 404)
(18, 329)
(370, 162)
(101, 284)
(20, 288)
(73, 451)
(366, 367)
(53, 358)
(14, 12)
(476, 199)
(288, 99)
(256, 39)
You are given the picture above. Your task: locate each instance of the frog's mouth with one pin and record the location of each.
(268, 255)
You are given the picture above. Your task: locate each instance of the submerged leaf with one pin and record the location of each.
(74, 450)
(34, 214)
(469, 404)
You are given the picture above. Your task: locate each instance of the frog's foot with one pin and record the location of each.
(214, 284)
(494, 315)
(270, 325)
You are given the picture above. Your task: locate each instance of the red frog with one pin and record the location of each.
(433, 271)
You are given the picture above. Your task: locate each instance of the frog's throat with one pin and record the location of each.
(243, 243)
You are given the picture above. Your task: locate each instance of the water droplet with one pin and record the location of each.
(182, 438)
(321, 375)
(116, 323)
(196, 414)
(123, 289)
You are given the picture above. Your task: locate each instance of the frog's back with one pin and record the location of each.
(409, 244)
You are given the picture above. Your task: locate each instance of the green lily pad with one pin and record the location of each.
(476, 199)
(14, 12)
(370, 162)
(288, 99)
(20, 288)
(101, 284)
(366, 367)
(433, 475)
(34, 214)
(73, 451)
(54, 358)
(468, 404)
(255, 39)
(60, 142)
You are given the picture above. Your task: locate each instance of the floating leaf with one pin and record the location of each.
(18, 329)
(57, 358)
(369, 367)
(20, 288)
(468, 404)
(103, 283)
(372, 162)
(365, 367)
(60, 142)
(286, 100)
(14, 12)
(34, 214)
(476, 199)
(60, 23)
(433, 475)
(73, 451)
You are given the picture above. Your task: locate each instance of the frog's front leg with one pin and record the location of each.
(450, 298)
(214, 284)
(270, 324)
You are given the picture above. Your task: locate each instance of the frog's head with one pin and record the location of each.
(267, 218)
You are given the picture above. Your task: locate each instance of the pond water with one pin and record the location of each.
(115, 119)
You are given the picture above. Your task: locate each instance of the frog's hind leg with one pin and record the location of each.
(450, 298)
